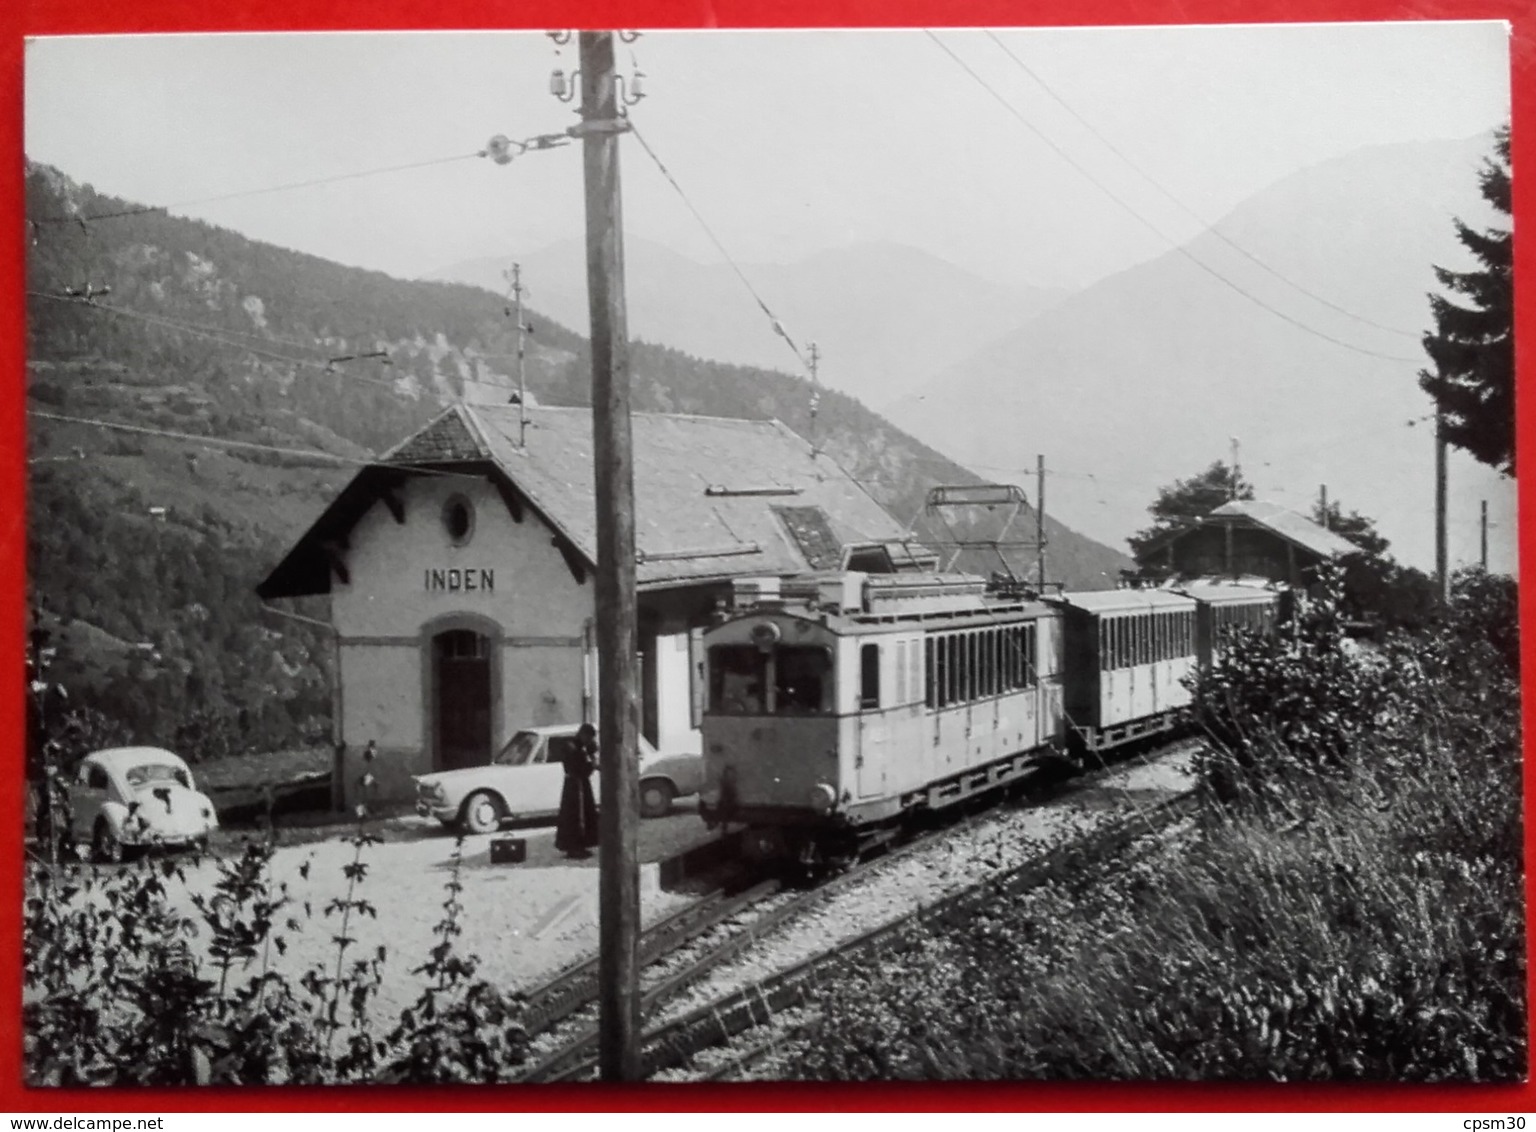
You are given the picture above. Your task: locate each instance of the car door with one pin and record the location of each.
(87, 795)
(537, 791)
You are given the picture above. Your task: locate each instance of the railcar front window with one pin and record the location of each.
(801, 679)
(738, 680)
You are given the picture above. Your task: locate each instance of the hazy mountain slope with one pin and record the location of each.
(885, 316)
(160, 542)
(1146, 375)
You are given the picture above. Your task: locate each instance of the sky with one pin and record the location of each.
(786, 142)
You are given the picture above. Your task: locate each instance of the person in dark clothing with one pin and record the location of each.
(576, 830)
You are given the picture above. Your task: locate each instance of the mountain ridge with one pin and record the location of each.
(1171, 363)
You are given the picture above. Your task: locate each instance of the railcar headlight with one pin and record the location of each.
(822, 798)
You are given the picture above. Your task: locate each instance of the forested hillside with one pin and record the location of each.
(145, 550)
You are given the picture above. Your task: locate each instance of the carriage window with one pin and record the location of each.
(738, 680)
(931, 692)
(869, 676)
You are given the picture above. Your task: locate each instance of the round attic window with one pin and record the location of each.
(458, 520)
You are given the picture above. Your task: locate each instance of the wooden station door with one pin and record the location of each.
(461, 661)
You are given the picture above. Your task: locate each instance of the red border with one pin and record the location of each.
(60, 17)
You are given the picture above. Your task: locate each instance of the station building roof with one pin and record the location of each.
(715, 498)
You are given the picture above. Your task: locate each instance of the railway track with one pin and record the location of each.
(565, 1002)
(676, 1043)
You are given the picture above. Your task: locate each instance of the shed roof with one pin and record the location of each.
(714, 497)
(1288, 524)
(1280, 521)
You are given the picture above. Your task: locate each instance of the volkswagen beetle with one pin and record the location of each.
(130, 798)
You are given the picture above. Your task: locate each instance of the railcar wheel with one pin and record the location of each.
(656, 798)
(482, 813)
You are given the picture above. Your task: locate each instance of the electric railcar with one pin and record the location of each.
(840, 704)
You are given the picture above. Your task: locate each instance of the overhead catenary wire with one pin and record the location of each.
(241, 194)
(1168, 193)
(773, 319)
(1170, 241)
(240, 445)
(218, 336)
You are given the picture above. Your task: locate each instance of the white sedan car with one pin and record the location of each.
(524, 781)
(130, 798)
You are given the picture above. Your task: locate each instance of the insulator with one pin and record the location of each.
(499, 149)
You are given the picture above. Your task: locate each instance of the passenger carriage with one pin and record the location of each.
(1225, 608)
(1128, 656)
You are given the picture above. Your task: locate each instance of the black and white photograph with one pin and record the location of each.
(967, 554)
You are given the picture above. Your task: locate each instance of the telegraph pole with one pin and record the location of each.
(1040, 514)
(1442, 554)
(1322, 505)
(613, 458)
(1482, 556)
(1236, 469)
(815, 364)
(522, 388)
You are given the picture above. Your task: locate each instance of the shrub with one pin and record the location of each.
(116, 994)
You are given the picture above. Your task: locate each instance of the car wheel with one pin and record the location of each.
(105, 846)
(656, 798)
(482, 813)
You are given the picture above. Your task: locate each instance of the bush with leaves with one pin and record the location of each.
(115, 991)
(1295, 701)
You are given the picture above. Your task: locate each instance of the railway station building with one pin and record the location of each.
(459, 569)
(1245, 539)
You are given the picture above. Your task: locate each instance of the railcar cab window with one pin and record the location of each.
(787, 680)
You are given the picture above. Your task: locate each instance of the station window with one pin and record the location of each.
(869, 676)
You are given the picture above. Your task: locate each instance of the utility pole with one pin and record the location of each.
(1236, 469)
(1322, 505)
(1442, 555)
(815, 362)
(1040, 514)
(613, 458)
(1482, 556)
(522, 388)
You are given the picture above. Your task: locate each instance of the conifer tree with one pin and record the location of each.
(1473, 343)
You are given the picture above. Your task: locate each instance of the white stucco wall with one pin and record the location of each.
(406, 582)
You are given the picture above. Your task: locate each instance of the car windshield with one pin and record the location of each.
(520, 751)
(148, 774)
